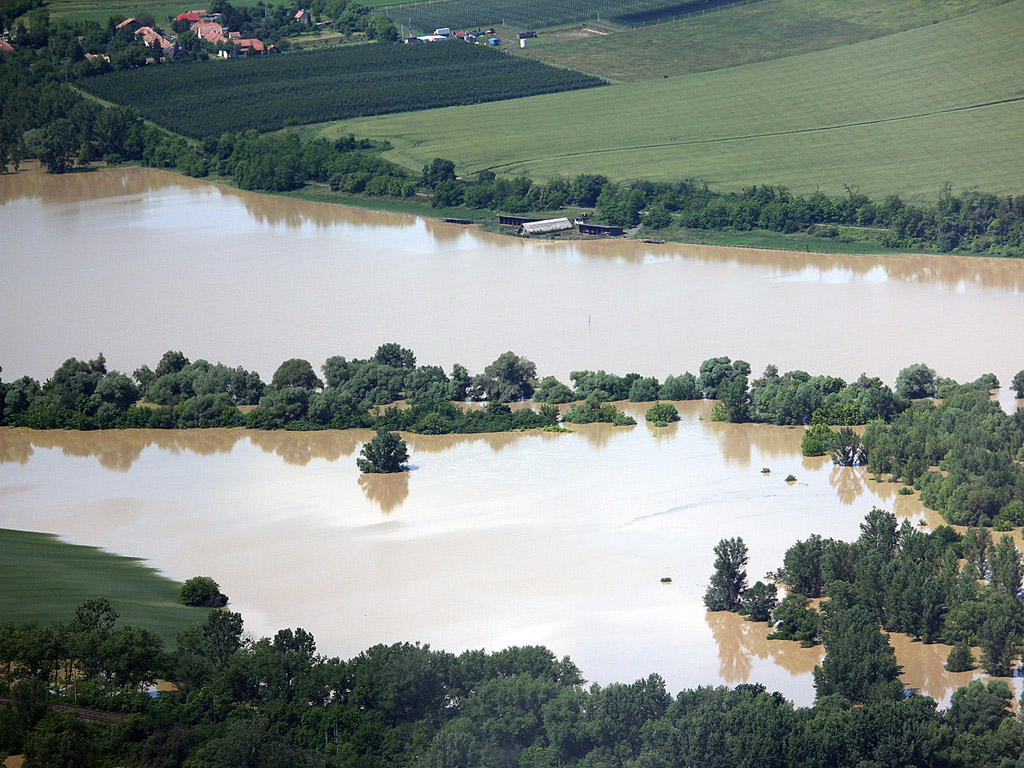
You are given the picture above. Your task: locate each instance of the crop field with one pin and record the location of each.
(738, 34)
(901, 114)
(539, 14)
(208, 98)
(44, 579)
(97, 10)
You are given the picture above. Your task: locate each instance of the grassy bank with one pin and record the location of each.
(44, 579)
(902, 114)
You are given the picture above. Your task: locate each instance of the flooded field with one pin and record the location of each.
(491, 540)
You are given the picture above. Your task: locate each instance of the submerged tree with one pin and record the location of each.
(730, 577)
(384, 452)
(847, 450)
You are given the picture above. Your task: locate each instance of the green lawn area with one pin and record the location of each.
(900, 114)
(44, 579)
(764, 31)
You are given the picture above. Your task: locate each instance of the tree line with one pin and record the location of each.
(962, 452)
(937, 587)
(276, 702)
(968, 222)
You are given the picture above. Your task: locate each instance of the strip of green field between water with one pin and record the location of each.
(44, 579)
(904, 113)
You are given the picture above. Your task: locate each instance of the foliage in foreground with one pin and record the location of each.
(276, 701)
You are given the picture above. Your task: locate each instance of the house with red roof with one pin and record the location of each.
(303, 17)
(250, 46)
(5, 47)
(150, 36)
(131, 24)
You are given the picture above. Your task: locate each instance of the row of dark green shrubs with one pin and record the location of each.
(276, 701)
(971, 221)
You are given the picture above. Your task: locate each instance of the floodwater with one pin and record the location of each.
(134, 262)
(490, 540)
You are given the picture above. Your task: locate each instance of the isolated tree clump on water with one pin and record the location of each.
(385, 452)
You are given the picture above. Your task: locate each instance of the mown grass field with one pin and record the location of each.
(901, 114)
(44, 579)
(738, 35)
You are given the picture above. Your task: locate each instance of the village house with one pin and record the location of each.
(302, 16)
(5, 47)
(151, 38)
(130, 24)
(210, 31)
(190, 16)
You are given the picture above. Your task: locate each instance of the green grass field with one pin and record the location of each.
(740, 35)
(44, 579)
(901, 114)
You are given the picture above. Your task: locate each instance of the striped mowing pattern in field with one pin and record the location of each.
(901, 114)
(539, 14)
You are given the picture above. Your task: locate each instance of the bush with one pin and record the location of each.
(202, 592)
(385, 452)
(662, 414)
(960, 659)
(817, 440)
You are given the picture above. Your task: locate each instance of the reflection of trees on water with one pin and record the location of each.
(951, 272)
(848, 482)
(389, 491)
(740, 641)
(15, 447)
(734, 664)
(299, 448)
(31, 182)
(116, 449)
(294, 214)
(737, 441)
(671, 432)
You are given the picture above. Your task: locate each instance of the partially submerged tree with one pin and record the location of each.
(730, 577)
(385, 452)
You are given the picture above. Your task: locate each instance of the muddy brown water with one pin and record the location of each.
(492, 540)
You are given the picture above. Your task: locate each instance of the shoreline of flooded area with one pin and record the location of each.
(153, 261)
(493, 540)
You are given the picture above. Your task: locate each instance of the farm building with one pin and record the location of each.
(545, 226)
(509, 220)
(602, 230)
(302, 16)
